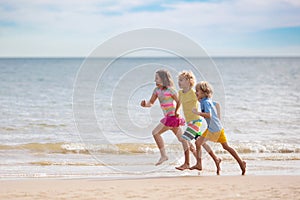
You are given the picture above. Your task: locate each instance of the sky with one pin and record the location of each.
(74, 28)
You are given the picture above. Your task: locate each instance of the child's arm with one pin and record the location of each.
(178, 103)
(202, 114)
(149, 103)
(218, 107)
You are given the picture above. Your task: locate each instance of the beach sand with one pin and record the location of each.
(186, 187)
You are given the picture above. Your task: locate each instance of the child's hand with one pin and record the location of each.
(143, 103)
(195, 111)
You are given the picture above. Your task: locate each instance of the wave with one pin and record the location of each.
(246, 148)
(81, 148)
(31, 125)
(135, 148)
(51, 163)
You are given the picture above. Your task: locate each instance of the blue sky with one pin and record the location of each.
(70, 28)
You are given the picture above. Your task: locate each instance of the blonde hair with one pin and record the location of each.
(206, 88)
(166, 78)
(188, 75)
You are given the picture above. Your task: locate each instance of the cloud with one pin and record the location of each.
(240, 14)
(87, 23)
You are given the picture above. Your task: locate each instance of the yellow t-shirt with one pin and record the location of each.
(189, 101)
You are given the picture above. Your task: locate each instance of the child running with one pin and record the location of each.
(188, 99)
(215, 131)
(167, 97)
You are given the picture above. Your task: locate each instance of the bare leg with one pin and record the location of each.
(199, 142)
(157, 131)
(236, 156)
(185, 146)
(193, 149)
(214, 157)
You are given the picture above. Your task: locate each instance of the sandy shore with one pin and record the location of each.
(200, 187)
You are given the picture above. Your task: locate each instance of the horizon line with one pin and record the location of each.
(108, 57)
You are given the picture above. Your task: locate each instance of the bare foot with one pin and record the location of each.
(244, 168)
(183, 167)
(218, 166)
(161, 160)
(196, 167)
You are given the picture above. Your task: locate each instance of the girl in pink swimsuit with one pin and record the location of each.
(168, 99)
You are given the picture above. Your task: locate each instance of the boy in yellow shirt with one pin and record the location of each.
(188, 100)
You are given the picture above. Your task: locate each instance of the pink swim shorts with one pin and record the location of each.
(172, 121)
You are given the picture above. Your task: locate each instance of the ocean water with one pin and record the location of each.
(71, 117)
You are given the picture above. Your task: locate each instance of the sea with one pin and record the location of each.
(81, 118)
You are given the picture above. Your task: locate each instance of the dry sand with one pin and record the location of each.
(188, 187)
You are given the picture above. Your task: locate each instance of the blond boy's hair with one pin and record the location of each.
(206, 88)
(189, 75)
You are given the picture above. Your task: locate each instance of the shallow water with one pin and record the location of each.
(41, 136)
